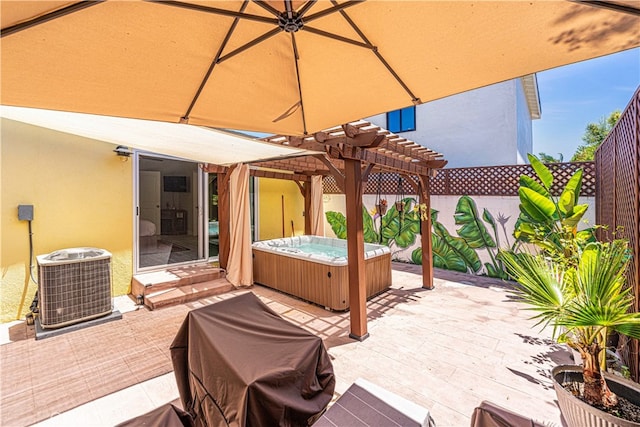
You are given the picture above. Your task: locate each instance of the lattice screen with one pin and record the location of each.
(487, 181)
(618, 198)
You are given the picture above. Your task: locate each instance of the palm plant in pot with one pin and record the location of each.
(576, 285)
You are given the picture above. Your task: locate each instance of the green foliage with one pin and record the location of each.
(473, 230)
(338, 224)
(400, 227)
(550, 222)
(453, 253)
(368, 228)
(581, 301)
(475, 233)
(594, 135)
(547, 158)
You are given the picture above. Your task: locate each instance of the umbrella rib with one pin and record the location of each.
(610, 5)
(337, 37)
(252, 43)
(213, 63)
(288, 8)
(295, 51)
(384, 62)
(306, 7)
(216, 11)
(267, 7)
(48, 17)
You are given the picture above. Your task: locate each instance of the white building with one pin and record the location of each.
(484, 127)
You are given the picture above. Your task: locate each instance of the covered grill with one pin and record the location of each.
(237, 362)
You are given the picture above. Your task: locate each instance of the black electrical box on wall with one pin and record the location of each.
(25, 212)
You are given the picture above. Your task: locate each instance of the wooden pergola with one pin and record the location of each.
(350, 154)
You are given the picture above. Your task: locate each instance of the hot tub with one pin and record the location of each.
(315, 269)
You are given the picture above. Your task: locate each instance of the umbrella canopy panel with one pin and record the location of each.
(287, 67)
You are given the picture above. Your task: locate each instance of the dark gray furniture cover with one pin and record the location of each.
(239, 363)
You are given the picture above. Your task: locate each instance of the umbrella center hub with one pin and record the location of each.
(290, 22)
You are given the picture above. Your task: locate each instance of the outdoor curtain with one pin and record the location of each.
(239, 266)
(317, 211)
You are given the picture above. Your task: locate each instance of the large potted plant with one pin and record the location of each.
(576, 285)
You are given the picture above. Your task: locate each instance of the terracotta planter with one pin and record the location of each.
(382, 208)
(578, 413)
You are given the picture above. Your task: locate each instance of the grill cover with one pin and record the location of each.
(239, 363)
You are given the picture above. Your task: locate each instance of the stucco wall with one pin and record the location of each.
(524, 131)
(475, 128)
(270, 215)
(82, 196)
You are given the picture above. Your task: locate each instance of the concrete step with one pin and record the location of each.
(186, 293)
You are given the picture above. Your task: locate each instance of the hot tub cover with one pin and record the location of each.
(239, 363)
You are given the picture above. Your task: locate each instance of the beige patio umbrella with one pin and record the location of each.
(287, 67)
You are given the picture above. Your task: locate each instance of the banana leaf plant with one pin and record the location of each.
(550, 222)
(400, 228)
(474, 231)
(338, 224)
(449, 252)
(582, 301)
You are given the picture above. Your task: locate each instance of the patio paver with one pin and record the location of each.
(446, 349)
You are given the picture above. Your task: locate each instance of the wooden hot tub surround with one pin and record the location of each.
(317, 278)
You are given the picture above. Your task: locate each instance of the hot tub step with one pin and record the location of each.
(152, 283)
(187, 293)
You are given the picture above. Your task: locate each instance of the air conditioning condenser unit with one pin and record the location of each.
(74, 285)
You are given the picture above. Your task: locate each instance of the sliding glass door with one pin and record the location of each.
(169, 212)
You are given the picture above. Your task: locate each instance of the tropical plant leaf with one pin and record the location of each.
(389, 226)
(566, 202)
(538, 207)
(462, 251)
(445, 257)
(488, 218)
(586, 300)
(527, 181)
(587, 235)
(492, 271)
(541, 171)
(416, 256)
(401, 227)
(473, 230)
(338, 224)
(368, 229)
(575, 185)
(538, 285)
(408, 233)
(434, 215)
(577, 214)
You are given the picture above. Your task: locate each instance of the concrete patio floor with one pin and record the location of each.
(447, 350)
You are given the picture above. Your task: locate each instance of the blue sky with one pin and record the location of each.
(575, 95)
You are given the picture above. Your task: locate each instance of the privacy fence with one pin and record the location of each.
(477, 181)
(618, 195)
